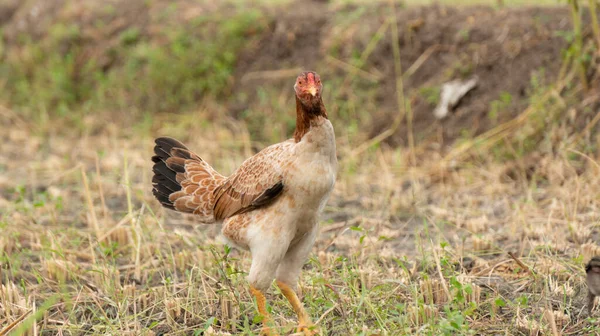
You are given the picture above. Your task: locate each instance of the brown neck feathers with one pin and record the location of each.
(305, 115)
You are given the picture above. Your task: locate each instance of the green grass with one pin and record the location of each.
(414, 241)
(192, 62)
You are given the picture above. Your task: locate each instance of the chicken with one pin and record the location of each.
(270, 205)
(592, 270)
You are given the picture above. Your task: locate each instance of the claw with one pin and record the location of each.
(267, 332)
(307, 330)
(261, 304)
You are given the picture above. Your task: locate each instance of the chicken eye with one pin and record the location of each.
(300, 82)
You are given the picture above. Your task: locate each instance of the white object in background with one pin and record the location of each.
(451, 94)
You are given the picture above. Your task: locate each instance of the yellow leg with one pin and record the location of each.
(304, 322)
(261, 303)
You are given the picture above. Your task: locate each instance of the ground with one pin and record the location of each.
(479, 223)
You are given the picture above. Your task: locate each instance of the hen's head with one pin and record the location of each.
(308, 88)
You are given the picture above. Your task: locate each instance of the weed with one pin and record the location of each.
(430, 94)
(499, 105)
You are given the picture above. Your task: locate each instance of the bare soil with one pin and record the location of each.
(504, 48)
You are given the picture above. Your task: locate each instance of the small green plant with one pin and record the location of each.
(130, 36)
(454, 323)
(431, 94)
(499, 105)
(464, 34)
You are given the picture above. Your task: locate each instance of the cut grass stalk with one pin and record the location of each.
(101, 192)
(138, 244)
(439, 271)
(352, 68)
(578, 42)
(12, 325)
(380, 34)
(90, 203)
(595, 25)
(400, 97)
(127, 187)
(422, 59)
(30, 322)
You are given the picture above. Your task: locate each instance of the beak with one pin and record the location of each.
(312, 90)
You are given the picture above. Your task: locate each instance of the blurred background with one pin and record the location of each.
(465, 130)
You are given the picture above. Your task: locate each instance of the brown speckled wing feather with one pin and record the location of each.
(256, 183)
(183, 181)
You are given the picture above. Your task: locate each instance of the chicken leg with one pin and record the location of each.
(287, 278)
(261, 303)
(304, 322)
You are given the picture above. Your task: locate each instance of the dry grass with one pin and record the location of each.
(86, 250)
(413, 241)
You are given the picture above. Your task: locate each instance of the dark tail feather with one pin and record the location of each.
(163, 148)
(168, 161)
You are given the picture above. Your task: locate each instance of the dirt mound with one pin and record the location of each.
(509, 51)
(512, 52)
